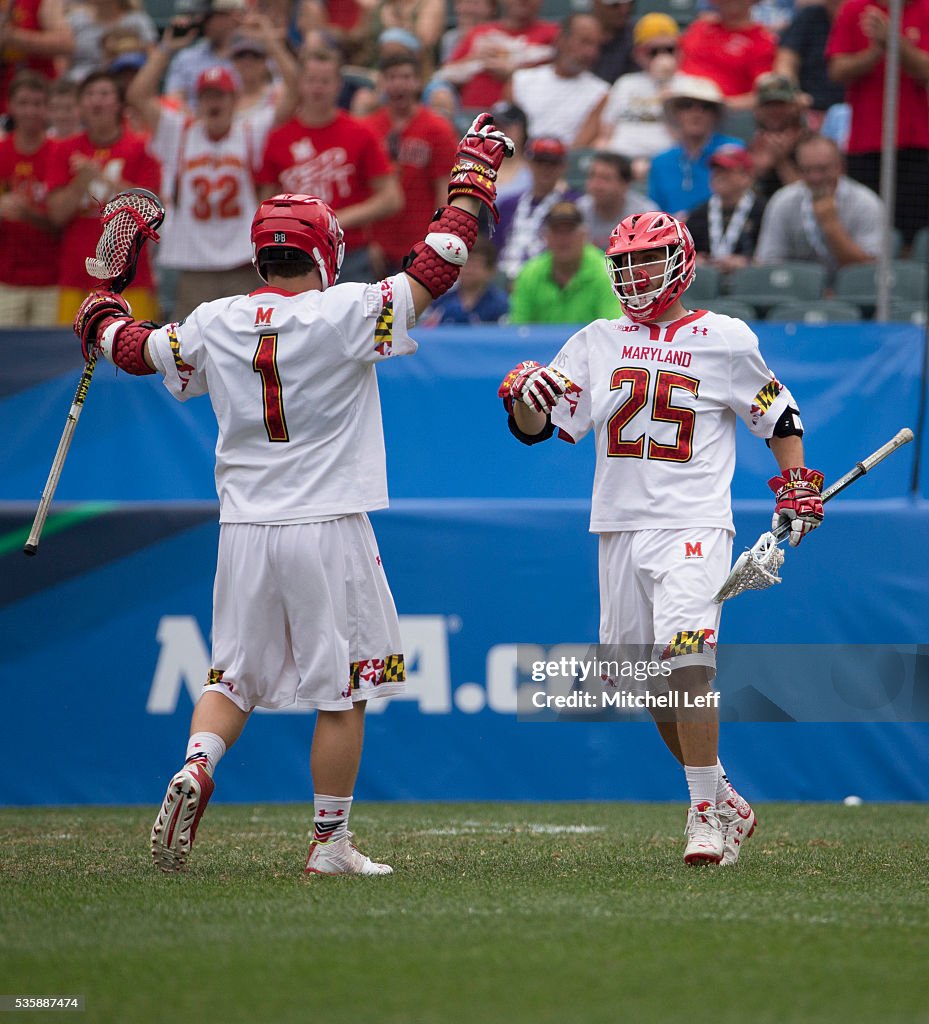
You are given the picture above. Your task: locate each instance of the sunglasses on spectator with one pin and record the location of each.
(654, 51)
(694, 105)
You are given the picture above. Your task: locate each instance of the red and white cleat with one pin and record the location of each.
(704, 835)
(176, 825)
(341, 857)
(738, 822)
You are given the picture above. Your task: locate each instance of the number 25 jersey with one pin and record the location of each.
(662, 400)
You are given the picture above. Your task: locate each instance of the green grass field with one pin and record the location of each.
(504, 913)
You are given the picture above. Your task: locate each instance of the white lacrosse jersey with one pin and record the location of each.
(293, 385)
(212, 190)
(662, 400)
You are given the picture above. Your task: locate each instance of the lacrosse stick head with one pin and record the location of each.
(128, 220)
(755, 569)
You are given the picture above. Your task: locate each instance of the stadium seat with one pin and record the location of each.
(815, 311)
(732, 307)
(858, 282)
(705, 285)
(578, 166)
(682, 11)
(920, 248)
(909, 312)
(768, 286)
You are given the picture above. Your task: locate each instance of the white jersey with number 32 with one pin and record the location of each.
(662, 400)
(294, 389)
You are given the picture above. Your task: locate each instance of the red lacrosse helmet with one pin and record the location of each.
(295, 227)
(642, 299)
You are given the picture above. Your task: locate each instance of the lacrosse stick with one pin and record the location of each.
(756, 568)
(128, 220)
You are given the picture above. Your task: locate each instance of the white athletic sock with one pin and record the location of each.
(330, 817)
(701, 781)
(207, 748)
(723, 786)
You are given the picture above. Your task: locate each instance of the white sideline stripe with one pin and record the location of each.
(471, 830)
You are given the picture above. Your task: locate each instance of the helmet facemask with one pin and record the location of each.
(646, 289)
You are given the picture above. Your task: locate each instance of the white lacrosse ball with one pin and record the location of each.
(853, 801)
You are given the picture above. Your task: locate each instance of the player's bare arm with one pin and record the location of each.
(797, 490)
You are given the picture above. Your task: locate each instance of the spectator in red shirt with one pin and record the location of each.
(422, 146)
(856, 55)
(85, 172)
(484, 60)
(729, 48)
(29, 251)
(327, 153)
(32, 34)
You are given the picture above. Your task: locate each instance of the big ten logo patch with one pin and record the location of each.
(693, 549)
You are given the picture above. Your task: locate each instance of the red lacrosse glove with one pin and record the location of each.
(97, 307)
(540, 388)
(477, 161)
(799, 501)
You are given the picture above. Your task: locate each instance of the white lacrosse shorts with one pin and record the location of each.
(657, 588)
(303, 617)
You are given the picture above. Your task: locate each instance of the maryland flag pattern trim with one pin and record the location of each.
(374, 671)
(384, 330)
(696, 641)
(214, 677)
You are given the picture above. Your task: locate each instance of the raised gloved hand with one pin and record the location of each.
(97, 307)
(798, 492)
(480, 154)
(538, 387)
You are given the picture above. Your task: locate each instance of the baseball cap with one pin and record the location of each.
(130, 61)
(774, 88)
(401, 37)
(509, 113)
(218, 78)
(225, 6)
(690, 87)
(246, 44)
(732, 156)
(563, 212)
(654, 26)
(546, 147)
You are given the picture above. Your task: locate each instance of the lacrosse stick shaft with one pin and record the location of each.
(61, 454)
(901, 438)
(129, 220)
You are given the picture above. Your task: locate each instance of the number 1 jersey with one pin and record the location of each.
(662, 400)
(293, 385)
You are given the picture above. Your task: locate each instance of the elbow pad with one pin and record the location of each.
(543, 435)
(122, 340)
(437, 262)
(788, 424)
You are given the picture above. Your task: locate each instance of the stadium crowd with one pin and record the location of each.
(757, 123)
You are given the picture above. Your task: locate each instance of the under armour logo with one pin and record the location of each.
(700, 330)
(339, 813)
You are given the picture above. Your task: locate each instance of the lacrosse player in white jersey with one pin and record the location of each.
(661, 388)
(302, 613)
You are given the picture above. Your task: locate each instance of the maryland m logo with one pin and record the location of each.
(263, 316)
(693, 550)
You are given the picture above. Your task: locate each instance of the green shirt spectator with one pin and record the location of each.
(587, 295)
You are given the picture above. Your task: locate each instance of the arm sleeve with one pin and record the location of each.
(373, 320)
(178, 354)
(572, 415)
(756, 395)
